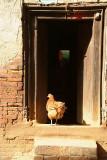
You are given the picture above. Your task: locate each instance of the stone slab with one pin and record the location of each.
(65, 147)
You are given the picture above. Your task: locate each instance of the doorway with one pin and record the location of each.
(66, 45)
(67, 63)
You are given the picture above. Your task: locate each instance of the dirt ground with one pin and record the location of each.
(17, 140)
(30, 130)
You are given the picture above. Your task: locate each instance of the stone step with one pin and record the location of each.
(65, 147)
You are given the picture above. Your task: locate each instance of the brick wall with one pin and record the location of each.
(11, 92)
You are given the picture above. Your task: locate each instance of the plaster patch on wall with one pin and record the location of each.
(8, 51)
(11, 30)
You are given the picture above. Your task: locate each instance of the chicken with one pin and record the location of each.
(55, 109)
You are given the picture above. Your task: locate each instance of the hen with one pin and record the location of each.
(55, 109)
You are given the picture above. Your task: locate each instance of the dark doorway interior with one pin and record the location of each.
(62, 74)
(62, 67)
(66, 37)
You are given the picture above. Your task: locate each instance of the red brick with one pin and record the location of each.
(15, 71)
(19, 96)
(9, 120)
(3, 71)
(5, 108)
(21, 92)
(1, 108)
(78, 158)
(50, 158)
(6, 96)
(3, 120)
(3, 87)
(20, 84)
(11, 108)
(7, 100)
(2, 124)
(38, 157)
(19, 100)
(4, 116)
(11, 116)
(10, 96)
(3, 79)
(15, 104)
(20, 116)
(64, 158)
(20, 108)
(3, 91)
(3, 104)
(0, 116)
(11, 92)
(3, 75)
(3, 112)
(12, 112)
(14, 75)
(13, 84)
(14, 79)
(15, 88)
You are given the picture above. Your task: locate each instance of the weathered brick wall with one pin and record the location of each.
(11, 92)
(11, 57)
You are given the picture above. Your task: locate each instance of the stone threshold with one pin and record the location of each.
(64, 147)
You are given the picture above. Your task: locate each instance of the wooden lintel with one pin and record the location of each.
(63, 5)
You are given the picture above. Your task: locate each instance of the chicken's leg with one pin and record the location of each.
(51, 121)
(56, 122)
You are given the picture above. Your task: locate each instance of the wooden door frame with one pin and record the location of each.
(45, 13)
